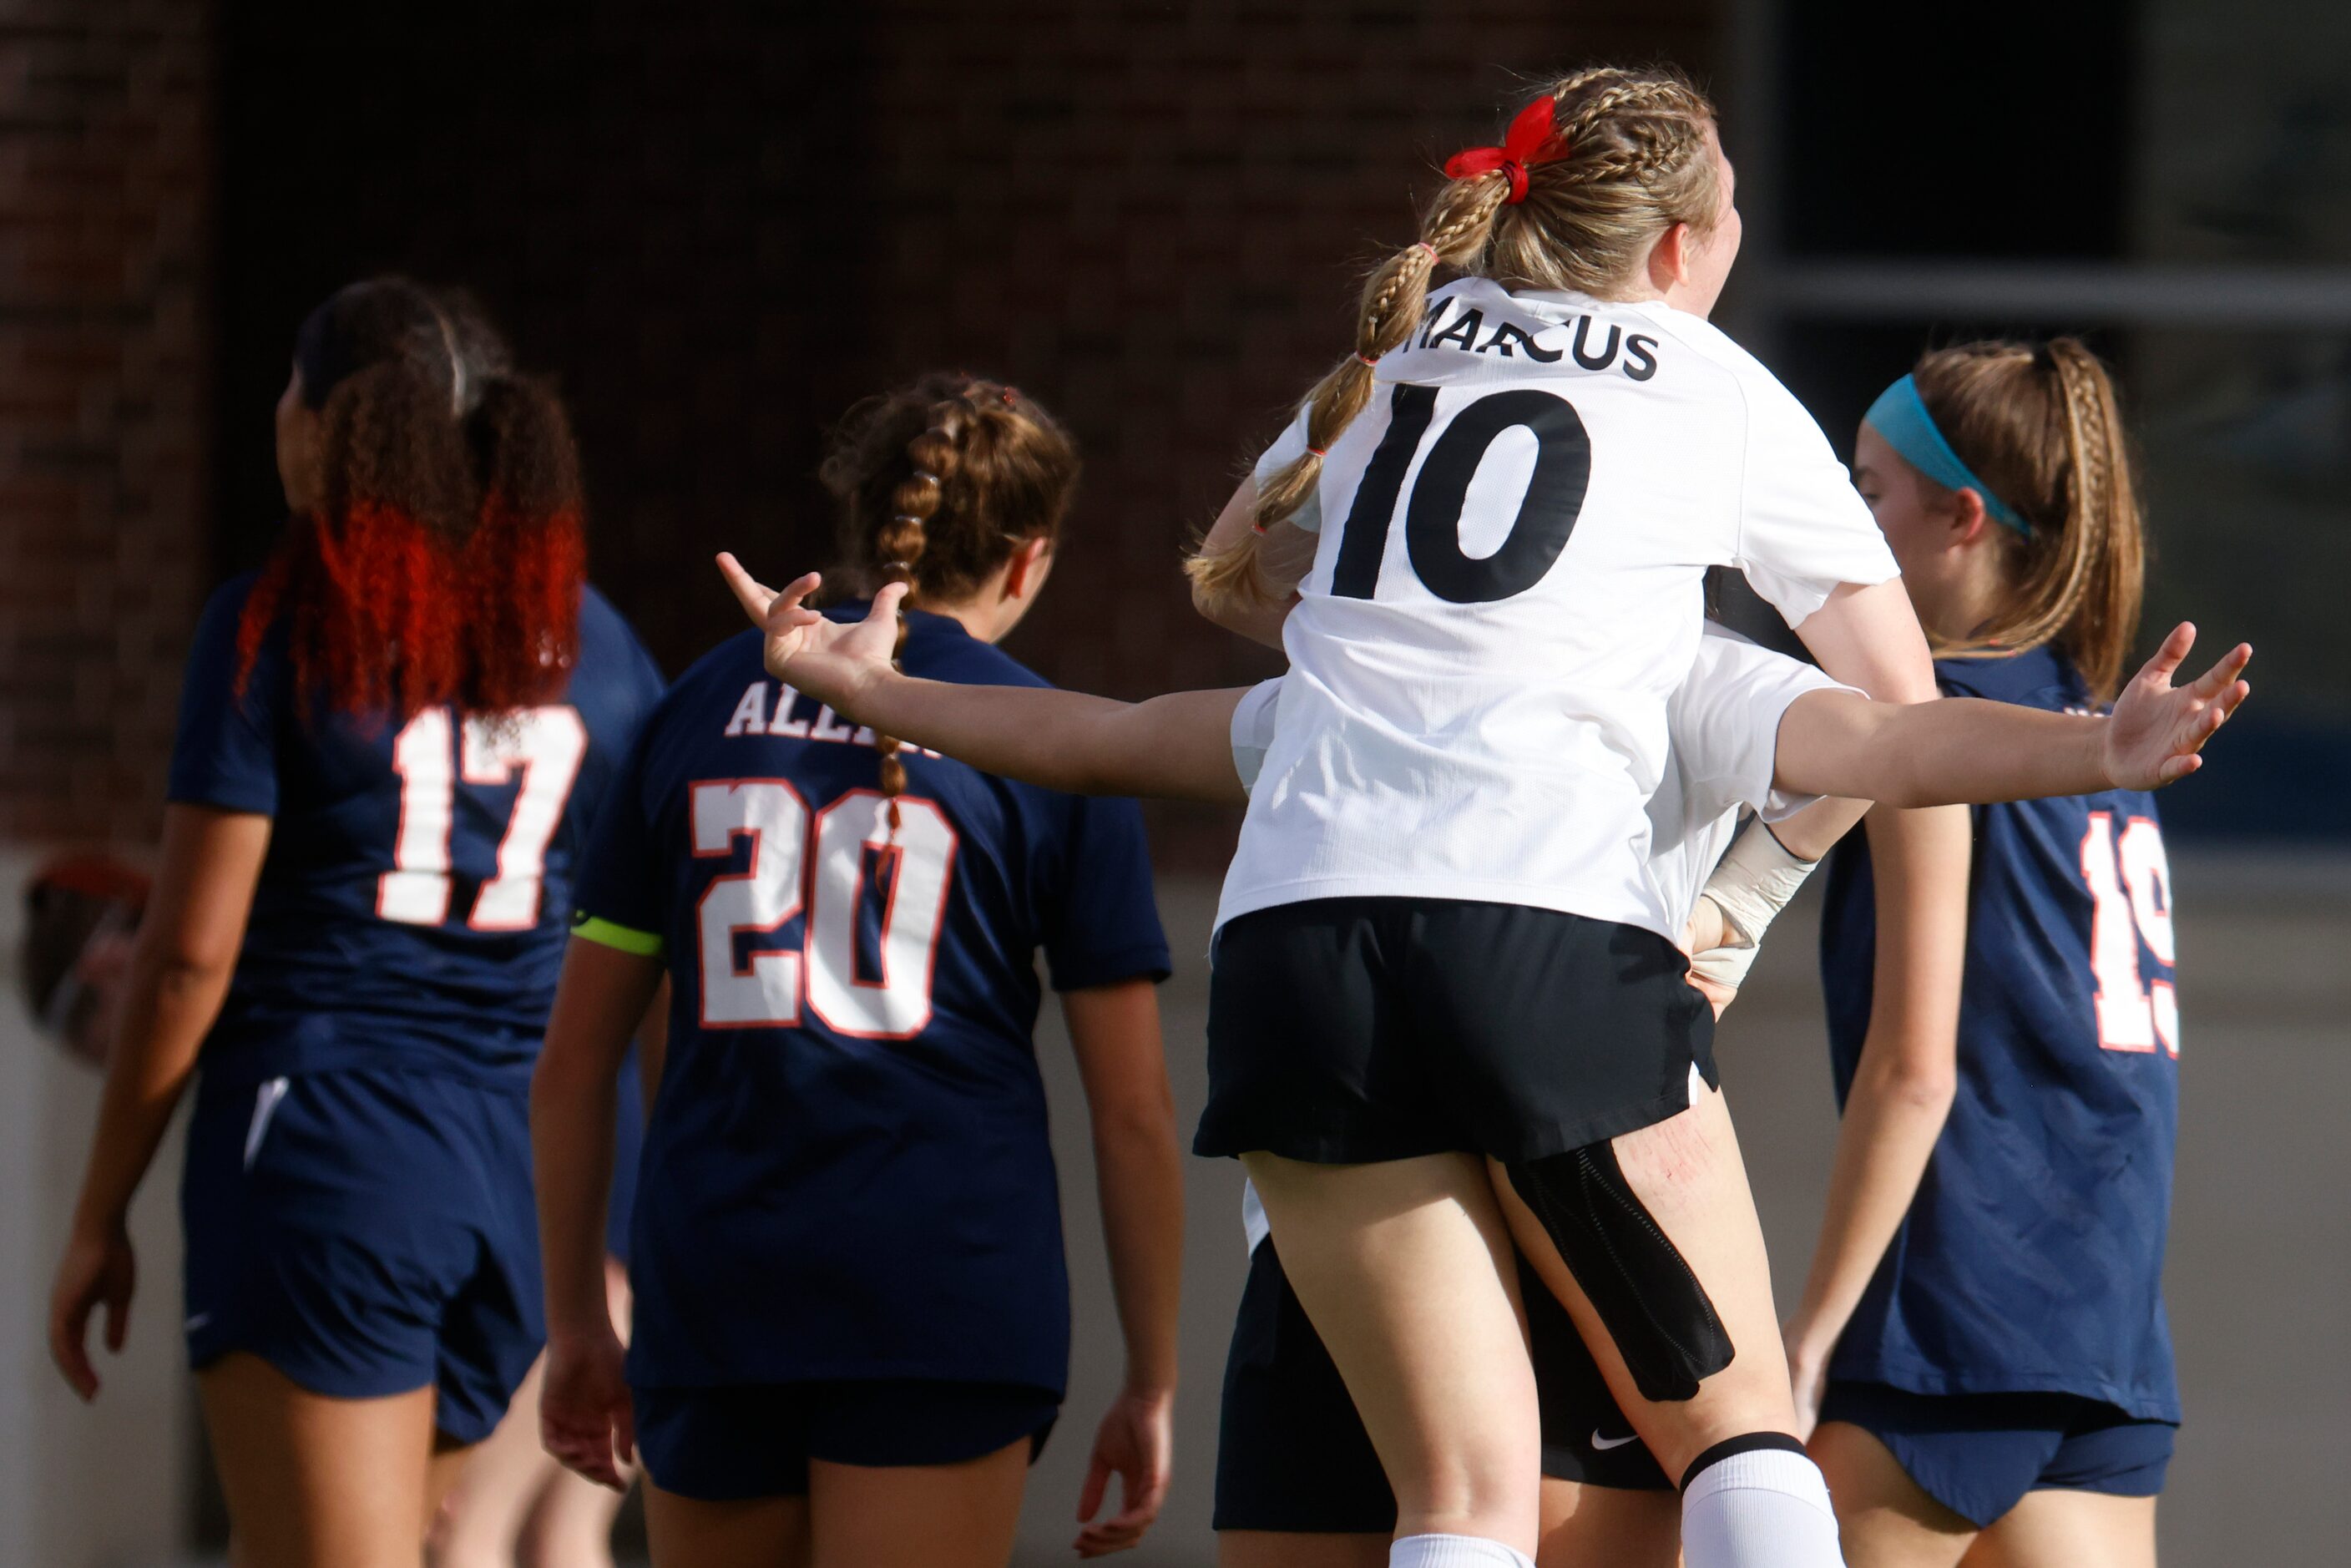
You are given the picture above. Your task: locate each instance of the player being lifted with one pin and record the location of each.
(852, 1305)
(1989, 1324)
(389, 742)
(1440, 944)
(1293, 1457)
(1503, 502)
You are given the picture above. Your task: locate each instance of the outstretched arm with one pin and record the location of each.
(1967, 750)
(1176, 748)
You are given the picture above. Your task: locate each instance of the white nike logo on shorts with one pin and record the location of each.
(1603, 1444)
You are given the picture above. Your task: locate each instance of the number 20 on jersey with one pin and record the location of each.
(842, 863)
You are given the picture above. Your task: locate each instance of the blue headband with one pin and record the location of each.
(1900, 415)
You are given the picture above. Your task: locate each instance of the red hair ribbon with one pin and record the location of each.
(1528, 141)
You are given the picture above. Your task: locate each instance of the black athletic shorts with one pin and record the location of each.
(1348, 1031)
(1292, 1455)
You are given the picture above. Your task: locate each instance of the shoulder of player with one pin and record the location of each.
(224, 607)
(939, 649)
(599, 619)
(1768, 403)
(717, 677)
(2038, 677)
(213, 650)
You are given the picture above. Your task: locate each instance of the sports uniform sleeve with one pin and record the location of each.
(1723, 723)
(1286, 448)
(1104, 928)
(617, 899)
(1803, 528)
(225, 754)
(1253, 729)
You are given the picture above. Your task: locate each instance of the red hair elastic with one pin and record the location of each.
(1528, 140)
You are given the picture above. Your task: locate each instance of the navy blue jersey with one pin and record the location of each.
(847, 1173)
(412, 910)
(2032, 1259)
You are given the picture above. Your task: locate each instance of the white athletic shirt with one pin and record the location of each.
(1723, 723)
(1506, 588)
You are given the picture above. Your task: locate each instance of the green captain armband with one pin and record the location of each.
(604, 933)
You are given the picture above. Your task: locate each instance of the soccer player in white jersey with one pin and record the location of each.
(1785, 727)
(1439, 943)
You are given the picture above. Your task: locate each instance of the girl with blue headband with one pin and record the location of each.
(1982, 1333)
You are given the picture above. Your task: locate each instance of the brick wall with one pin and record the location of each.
(721, 224)
(105, 181)
(1156, 217)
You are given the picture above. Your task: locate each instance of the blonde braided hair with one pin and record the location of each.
(1632, 164)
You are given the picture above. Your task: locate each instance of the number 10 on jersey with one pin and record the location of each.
(875, 902)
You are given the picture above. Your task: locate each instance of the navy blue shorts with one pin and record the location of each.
(755, 1440)
(367, 1233)
(1292, 1455)
(1978, 1454)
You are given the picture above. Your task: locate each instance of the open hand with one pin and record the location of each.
(830, 661)
(2157, 728)
(1136, 1442)
(584, 1415)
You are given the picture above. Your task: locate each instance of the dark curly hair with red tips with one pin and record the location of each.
(443, 559)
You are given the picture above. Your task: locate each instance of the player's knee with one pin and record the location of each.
(1645, 1291)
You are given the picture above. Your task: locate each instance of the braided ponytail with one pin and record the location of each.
(1395, 298)
(932, 456)
(2043, 429)
(1632, 164)
(938, 483)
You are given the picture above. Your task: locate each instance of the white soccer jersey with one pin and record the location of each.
(1723, 729)
(1506, 588)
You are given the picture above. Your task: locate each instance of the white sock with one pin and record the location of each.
(1454, 1552)
(1767, 1508)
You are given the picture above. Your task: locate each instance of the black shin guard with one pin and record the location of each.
(1648, 1298)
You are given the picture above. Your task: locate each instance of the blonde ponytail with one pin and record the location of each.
(1624, 163)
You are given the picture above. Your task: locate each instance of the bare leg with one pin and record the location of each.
(918, 1516)
(1405, 1268)
(2057, 1528)
(318, 1482)
(1887, 1519)
(571, 1526)
(1586, 1526)
(1687, 1174)
(765, 1532)
(498, 1488)
(1299, 1549)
